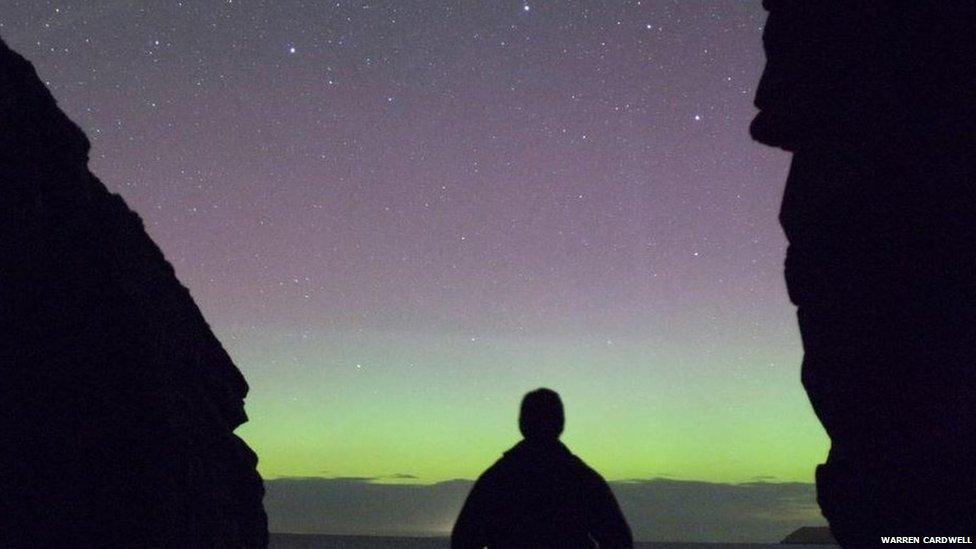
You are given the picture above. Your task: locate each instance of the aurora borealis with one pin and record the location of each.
(399, 217)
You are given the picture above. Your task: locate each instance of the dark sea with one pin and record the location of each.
(318, 541)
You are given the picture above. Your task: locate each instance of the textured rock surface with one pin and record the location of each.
(118, 403)
(876, 101)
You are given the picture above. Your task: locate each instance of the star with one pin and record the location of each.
(448, 170)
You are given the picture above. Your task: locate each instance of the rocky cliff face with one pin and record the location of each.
(117, 403)
(876, 102)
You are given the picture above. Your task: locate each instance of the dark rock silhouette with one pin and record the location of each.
(876, 102)
(539, 494)
(810, 535)
(118, 401)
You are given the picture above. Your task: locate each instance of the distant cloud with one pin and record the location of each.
(679, 510)
(658, 509)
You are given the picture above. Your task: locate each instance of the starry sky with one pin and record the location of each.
(399, 216)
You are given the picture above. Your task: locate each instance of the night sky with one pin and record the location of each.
(400, 216)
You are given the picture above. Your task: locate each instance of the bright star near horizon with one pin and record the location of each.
(526, 7)
(291, 49)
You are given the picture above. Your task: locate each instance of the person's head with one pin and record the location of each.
(541, 416)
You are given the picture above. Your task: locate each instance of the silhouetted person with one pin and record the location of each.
(540, 495)
(877, 102)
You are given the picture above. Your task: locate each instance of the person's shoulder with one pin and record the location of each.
(583, 470)
(496, 471)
